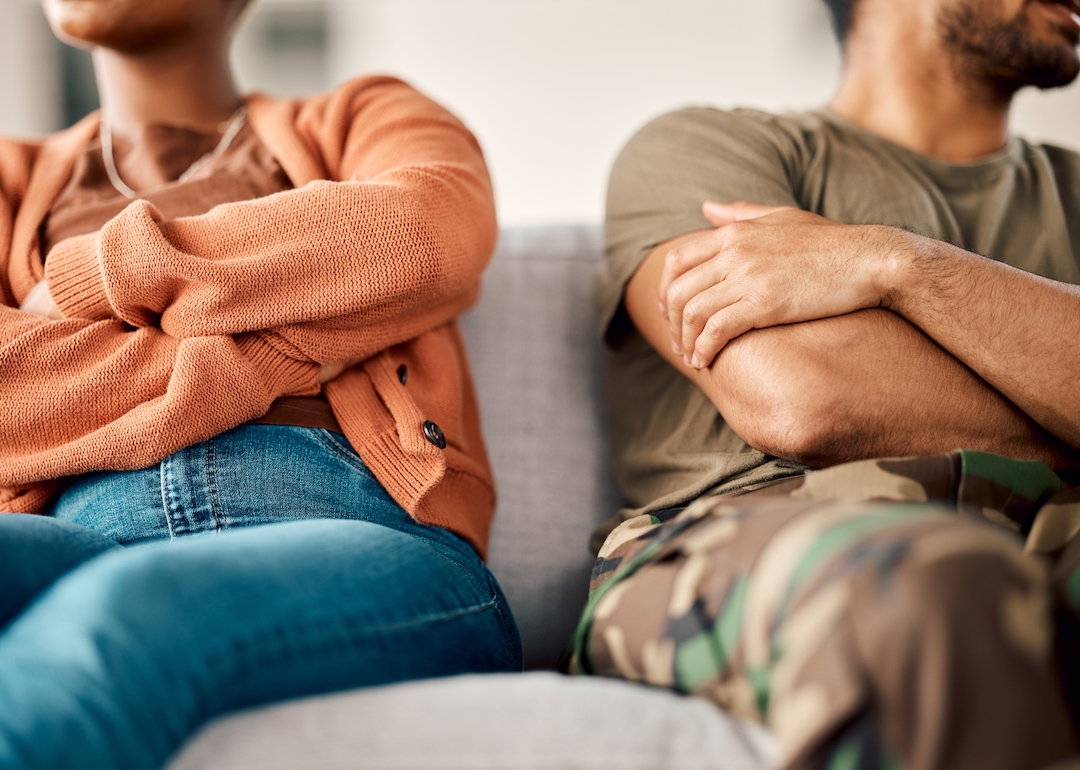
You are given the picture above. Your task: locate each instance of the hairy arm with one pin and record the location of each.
(1017, 330)
(861, 384)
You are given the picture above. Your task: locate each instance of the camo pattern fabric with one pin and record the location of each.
(891, 613)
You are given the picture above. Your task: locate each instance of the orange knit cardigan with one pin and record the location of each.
(177, 331)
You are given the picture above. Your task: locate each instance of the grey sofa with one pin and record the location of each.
(536, 359)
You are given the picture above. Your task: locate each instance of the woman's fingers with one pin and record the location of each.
(336, 369)
(330, 372)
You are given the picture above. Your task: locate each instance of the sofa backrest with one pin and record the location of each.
(536, 358)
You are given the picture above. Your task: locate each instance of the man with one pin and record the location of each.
(787, 293)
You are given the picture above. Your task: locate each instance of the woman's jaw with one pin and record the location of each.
(140, 26)
(160, 62)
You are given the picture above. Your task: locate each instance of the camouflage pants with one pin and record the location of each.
(885, 613)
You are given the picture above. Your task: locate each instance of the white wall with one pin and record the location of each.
(552, 87)
(283, 48)
(29, 84)
(1051, 116)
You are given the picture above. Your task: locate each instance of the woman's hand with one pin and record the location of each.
(39, 302)
(332, 371)
(766, 266)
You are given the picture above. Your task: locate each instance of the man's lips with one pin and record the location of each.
(1070, 6)
(1068, 11)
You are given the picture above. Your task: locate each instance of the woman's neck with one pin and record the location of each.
(188, 84)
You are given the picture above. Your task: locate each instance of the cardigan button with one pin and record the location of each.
(434, 434)
(403, 374)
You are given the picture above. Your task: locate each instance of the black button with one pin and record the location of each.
(434, 434)
(403, 373)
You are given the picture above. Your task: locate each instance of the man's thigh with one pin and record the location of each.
(806, 615)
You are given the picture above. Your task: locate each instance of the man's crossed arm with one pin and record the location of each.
(822, 342)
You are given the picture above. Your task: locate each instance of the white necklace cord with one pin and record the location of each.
(235, 124)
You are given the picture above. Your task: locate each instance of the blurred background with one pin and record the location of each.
(552, 88)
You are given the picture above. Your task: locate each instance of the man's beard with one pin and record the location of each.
(1003, 54)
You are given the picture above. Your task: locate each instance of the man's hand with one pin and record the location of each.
(767, 266)
(39, 302)
(867, 383)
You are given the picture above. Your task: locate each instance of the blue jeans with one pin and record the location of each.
(125, 623)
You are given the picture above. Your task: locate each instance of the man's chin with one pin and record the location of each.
(1061, 76)
(1063, 31)
(1037, 48)
(1045, 64)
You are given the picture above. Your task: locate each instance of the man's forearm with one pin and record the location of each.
(1019, 331)
(770, 266)
(866, 384)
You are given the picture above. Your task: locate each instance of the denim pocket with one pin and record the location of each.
(340, 447)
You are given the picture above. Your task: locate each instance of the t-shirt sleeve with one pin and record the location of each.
(673, 165)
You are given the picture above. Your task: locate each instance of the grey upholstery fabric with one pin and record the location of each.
(538, 721)
(536, 359)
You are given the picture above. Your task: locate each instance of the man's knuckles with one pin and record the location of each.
(697, 311)
(679, 293)
(713, 334)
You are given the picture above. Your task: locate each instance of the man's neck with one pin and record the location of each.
(189, 84)
(918, 102)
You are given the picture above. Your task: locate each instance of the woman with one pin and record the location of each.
(233, 316)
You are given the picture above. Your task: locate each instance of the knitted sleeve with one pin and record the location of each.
(338, 269)
(75, 391)
(79, 394)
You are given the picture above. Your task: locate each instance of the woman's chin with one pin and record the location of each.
(125, 25)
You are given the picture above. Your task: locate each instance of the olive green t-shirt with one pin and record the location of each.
(670, 444)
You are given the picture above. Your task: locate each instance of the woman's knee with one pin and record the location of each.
(35, 551)
(294, 582)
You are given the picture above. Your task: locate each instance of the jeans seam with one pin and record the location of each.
(217, 659)
(327, 439)
(216, 507)
(166, 504)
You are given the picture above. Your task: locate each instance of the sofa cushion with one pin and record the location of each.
(534, 721)
(536, 359)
